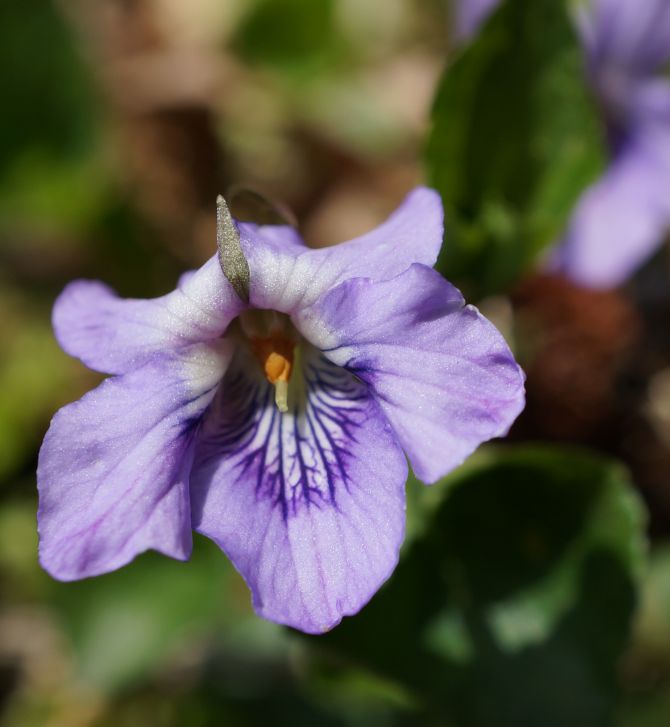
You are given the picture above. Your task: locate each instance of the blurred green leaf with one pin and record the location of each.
(513, 607)
(515, 139)
(653, 619)
(293, 35)
(21, 579)
(646, 672)
(45, 194)
(125, 625)
(52, 176)
(47, 100)
(35, 378)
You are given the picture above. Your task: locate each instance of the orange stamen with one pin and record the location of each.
(277, 368)
(275, 355)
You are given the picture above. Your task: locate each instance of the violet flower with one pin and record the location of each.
(622, 218)
(275, 427)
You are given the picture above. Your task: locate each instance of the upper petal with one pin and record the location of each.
(114, 466)
(308, 505)
(287, 276)
(115, 335)
(442, 374)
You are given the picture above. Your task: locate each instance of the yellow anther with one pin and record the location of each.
(277, 368)
(275, 355)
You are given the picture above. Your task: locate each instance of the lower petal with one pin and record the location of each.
(308, 505)
(114, 466)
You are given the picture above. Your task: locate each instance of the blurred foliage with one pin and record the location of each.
(49, 123)
(45, 86)
(526, 576)
(32, 375)
(514, 141)
(137, 616)
(647, 664)
(296, 35)
(519, 575)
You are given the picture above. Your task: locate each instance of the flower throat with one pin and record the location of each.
(272, 339)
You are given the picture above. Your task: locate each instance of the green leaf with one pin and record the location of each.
(293, 35)
(53, 173)
(47, 99)
(515, 139)
(647, 664)
(519, 594)
(653, 619)
(126, 624)
(35, 377)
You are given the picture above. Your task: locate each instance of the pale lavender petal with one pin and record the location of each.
(115, 335)
(114, 466)
(287, 276)
(630, 35)
(469, 15)
(308, 505)
(623, 217)
(442, 374)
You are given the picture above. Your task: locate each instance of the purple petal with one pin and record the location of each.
(308, 505)
(442, 374)
(114, 335)
(621, 219)
(114, 466)
(287, 276)
(632, 36)
(469, 15)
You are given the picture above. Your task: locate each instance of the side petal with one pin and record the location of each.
(115, 335)
(308, 505)
(114, 466)
(442, 374)
(621, 219)
(286, 276)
